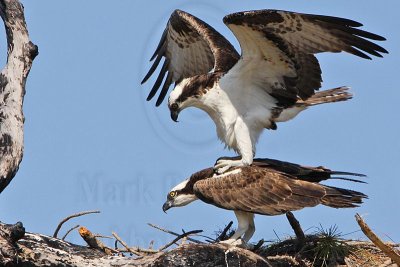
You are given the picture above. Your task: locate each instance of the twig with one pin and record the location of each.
(69, 231)
(125, 245)
(222, 236)
(134, 250)
(258, 245)
(208, 239)
(102, 236)
(180, 237)
(296, 227)
(173, 233)
(70, 217)
(93, 242)
(378, 242)
(151, 244)
(276, 235)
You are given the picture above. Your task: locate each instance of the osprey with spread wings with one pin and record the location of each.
(274, 79)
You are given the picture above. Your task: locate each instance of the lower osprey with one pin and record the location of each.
(273, 80)
(268, 187)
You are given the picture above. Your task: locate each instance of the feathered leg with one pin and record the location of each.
(244, 147)
(245, 228)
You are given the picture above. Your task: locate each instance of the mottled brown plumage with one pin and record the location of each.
(267, 187)
(272, 187)
(266, 191)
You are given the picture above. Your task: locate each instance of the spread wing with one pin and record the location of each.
(278, 49)
(189, 47)
(268, 192)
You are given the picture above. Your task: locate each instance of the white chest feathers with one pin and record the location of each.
(238, 112)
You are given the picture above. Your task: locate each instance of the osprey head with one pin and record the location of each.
(189, 92)
(179, 196)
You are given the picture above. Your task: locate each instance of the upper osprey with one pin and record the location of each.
(272, 81)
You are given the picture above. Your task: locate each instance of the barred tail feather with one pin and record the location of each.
(327, 96)
(342, 198)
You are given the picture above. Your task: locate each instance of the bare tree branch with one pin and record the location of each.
(184, 235)
(21, 52)
(296, 227)
(70, 217)
(222, 236)
(69, 231)
(377, 241)
(137, 253)
(173, 233)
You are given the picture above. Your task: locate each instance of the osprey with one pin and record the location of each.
(267, 187)
(273, 80)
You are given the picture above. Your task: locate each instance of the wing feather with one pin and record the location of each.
(305, 173)
(190, 47)
(279, 46)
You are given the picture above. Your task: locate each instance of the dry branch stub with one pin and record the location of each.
(389, 251)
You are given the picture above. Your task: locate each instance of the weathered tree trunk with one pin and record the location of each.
(18, 248)
(21, 52)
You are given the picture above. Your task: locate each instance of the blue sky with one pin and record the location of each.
(93, 142)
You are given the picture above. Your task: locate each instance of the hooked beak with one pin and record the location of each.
(167, 205)
(174, 115)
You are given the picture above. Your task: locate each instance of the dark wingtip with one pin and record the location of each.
(153, 56)
(160, 99)
(377, 37)
(383, 50)
(348, 173)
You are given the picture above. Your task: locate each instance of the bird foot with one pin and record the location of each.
(223, 165)
(234, 242)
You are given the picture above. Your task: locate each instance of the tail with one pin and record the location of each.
(327, 96)
(342, 198)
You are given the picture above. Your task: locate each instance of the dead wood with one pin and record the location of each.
(18, 248)
(20, 54)
(388, 250)
(70, 217)
(41, 250)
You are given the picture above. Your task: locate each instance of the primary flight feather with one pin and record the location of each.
(275, 77)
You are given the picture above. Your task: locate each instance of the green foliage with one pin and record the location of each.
(330, 247)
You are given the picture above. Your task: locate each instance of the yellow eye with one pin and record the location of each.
(172, 194)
